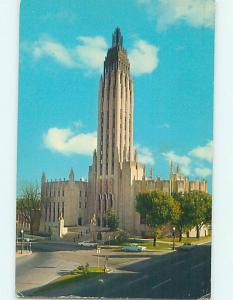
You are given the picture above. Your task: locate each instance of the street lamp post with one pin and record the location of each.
(173, 235)
(98, 256)
(21, 241)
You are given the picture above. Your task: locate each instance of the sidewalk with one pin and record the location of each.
(24, 253)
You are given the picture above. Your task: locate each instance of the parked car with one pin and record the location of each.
(87, 245)
(133, 248)
(187, 247)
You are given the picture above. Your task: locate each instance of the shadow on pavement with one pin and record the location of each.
(176, 275)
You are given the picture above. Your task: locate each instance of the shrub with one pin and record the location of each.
(122, 236)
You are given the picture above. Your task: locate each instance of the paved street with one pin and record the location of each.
(183, 275)
(50, 260)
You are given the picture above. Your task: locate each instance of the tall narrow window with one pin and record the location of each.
(58, 210)
(54, 211)
(49, 211)
(105, 203)
(46, 212)
(63, 210)
(110, 200)
(99, 203)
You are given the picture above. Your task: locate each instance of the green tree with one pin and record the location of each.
(201, 207)
(159, 208)
(29, 204)
(185, 220)
(112, 220)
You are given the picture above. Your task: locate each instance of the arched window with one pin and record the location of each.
(105, 203)
(80, 221)
(110, 201)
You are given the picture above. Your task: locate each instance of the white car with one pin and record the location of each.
(133, 248)
(86, 245)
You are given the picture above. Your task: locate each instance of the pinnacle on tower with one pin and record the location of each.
(144, 172)
(177, 169)
(151, 172)
(136, 155)
(43, 178)
(71, 175)
(171, 168)
(117, 39)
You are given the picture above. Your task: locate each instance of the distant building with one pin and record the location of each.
(116, 175)
(63, 198)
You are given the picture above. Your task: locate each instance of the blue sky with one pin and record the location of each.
(62, 47)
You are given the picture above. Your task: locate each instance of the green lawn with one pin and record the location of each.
(188, 240)
(75, 276)
(162, 243)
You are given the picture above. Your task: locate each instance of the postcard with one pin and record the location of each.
(115, 138)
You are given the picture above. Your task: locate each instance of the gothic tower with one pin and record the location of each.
(115, 114)
(114, 166)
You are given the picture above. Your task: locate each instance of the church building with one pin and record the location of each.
(116, 175)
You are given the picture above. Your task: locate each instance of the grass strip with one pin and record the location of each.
(74, 276)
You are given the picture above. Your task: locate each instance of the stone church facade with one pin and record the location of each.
(116, 175)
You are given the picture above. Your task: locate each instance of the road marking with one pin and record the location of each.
(161, 283)
(179, 262)
(198, 265)
(139, 279)
(20, 294)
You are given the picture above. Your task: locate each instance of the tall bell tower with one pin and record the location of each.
(115, 113)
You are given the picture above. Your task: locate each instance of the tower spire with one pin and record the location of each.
(117, 39)
(136, 155)
(177, 169)
(43, 178)
(151, 172)
(71, 175)
(171, 168)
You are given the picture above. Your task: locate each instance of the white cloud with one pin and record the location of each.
(203, 152)
(65, 141)
(145, 155)
(196, 13)
(46, 47)
(184, 161)
(90, 52)
(143, 57)
(203, 172)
